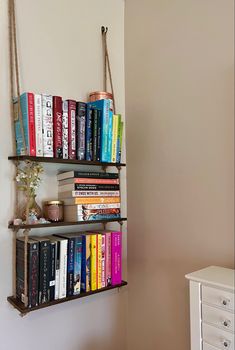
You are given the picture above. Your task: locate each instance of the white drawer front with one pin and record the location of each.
(217, 337)
(217, 317)
(208, 347)
(218, 297)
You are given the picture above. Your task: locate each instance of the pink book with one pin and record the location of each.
(116, 257)
(103, 278)
(108, 266)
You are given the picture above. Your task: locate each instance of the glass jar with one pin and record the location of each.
(54, 211)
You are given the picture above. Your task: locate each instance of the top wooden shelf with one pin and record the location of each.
(65, 161)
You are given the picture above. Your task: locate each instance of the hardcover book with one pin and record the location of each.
(32, 271)
(65, 132)
(103, 261)
(72, 129)
(57, 126)
(93, 262)
(78, 265)
(116, 258)
(99, 261)
(52, 269)
(70, 175)
(47, 125)
(86, 263)
(89, 127)
(80, 129)
(88, 200)
(108, 256)
(63, 247)
(116, 121)
(38, 124)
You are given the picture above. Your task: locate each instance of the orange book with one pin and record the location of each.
(95, 200)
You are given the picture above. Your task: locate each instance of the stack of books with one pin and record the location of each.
(68, 129)
(64, 265)
(89, 196)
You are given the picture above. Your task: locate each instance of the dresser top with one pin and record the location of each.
(214, 275)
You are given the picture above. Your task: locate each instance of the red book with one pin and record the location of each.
(72, 129)
(82, 180)
(31, 124)
(57, 126)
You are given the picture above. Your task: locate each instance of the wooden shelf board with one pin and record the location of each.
(24, 310)
(60, 224)
(64, 161)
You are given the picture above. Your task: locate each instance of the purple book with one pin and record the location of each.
(116, 257)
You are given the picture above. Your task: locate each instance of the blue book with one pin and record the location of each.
(20, 150)
(110, 135)
(77, 265)
(105, 107)
(94, 217)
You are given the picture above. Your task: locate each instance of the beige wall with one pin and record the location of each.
(60, 53)
(180, 153)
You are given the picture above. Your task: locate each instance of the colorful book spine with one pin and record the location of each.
(116, 120)
(52, 271)
(86, 264)
(103, 266)
(93, 262)
(99, 134)
(38, 124)
(20, 149)
(47, 125)
(98, 206)
(33, 270)
(91, 187)
(70, 266)
(94, 217)
(108, 256)
(89, 126)
(72, 129)
(78, 265)
(88, 193)
(80, 180)
(44, 268)
(99, 261)
(116, 258)
(119, 131)
(95, 135)
(80, 129)
(110, 133)
(91, 200)
(63, 268)
(27, 108)
(65, 132)
(57, 126)
(120, 136)
(70, 175)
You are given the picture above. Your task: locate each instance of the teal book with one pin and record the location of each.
(77, 265)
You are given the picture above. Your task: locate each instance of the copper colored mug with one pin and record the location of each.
(100, 95)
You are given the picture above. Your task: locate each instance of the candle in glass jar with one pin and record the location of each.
(54, 211)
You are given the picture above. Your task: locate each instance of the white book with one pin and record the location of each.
(65, 130)
(38, 124)
(63, 268)
(47, 125)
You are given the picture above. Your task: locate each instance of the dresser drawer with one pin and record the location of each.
(208, 347)
(218, 297)
(220, 318)
(217, 337)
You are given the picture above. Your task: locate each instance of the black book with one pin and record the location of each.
(80, 127)
(99, 187)
(52, 268)
(32, 271)
(68, 176)
(44, 269)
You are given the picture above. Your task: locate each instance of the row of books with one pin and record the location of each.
(64, 265)
(68, 129)
(89, 196)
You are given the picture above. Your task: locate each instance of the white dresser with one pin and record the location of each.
(212, 308)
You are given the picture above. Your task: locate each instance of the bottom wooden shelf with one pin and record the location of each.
(24, 310)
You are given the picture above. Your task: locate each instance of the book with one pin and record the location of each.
(32, 271)
(75, 193)
(57, 126)
(119, 142)
(99, 181)
(71, 214)
(38, 124)
(72, 129)
(110, 133)
(94, 134)
(92, 187)
(88, 200)
(28, 124)
(104, 106)
(57, 267)
(80, 130)
(65, 134)
(116, 120)
(116, 257)
(70, 175)
(52, 269)
(47, 126)
(108, 266)
(96, 206)
(44, 269)
(103, 261)
(89, 127)
(99, 261)
(78, 265)
(63, 246)
(99, 135)
(70, 262)
(93, 261)
(86, 264)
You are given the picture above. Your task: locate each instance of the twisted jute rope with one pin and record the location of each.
(107, 65)
(15, 80)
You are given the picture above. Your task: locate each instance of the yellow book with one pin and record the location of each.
(93, 262)
(115, 136)
(88, 257)
(95, 200)
(99, 261)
